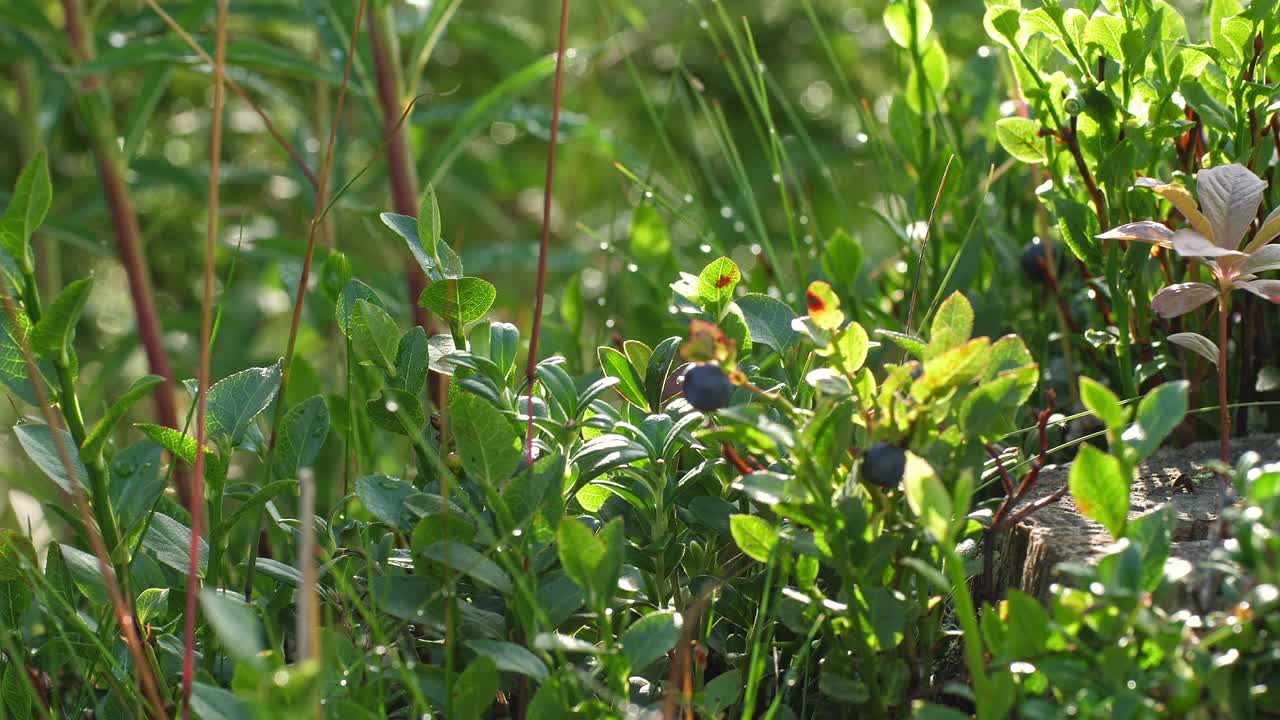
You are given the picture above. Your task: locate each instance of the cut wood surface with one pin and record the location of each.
(1059, 533)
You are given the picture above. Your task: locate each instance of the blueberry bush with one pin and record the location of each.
(779, 316)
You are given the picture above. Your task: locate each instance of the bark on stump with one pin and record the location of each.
(1058, 533)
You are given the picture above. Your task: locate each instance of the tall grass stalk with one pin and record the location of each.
(202, 391)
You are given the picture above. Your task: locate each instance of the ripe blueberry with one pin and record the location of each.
(884, 465)
(1035, 263)
(707, 388)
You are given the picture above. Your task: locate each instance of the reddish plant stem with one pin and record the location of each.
(402, 171)
(124, 221)
(1224, 336)
(1072, 139)
(532, 365)
(202, 392)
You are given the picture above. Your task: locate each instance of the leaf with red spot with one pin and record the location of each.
(716, 283)
(823, 306)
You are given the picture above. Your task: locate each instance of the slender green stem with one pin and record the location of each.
(968, 619)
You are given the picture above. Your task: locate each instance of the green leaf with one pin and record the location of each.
(135, 482)
(650, 638)
(638, 354)
(650, 241)
(474, 690)
(504, 345)
(509, 657)
(52, 336)
(180, 444)
(934, 72)
(395, 410)
(429, 220)
(1002, 24)
(952, 325)
(665, 357)
(16, 693)
(953, 368)
(302, 433)
(460, 301)
(233, 620)
(912, 344)
(152, 605)
(722, 692)
(43, 451)
(716, 283)
(13, 364)
(824, 306)
(769, 321)
(593, 561)
(86, 574)
(236, 400)
(1152, 533)
(571, 306)
(251, 505)
(343, 309)
(927, 497)
(1027, 625)
(170, 540)
(886, 617)
(898, 21)
(988, 411)
(526, 493)
(213, 703)
(97, 439)
(842, 261)
(375, 335)
(616, 365)
(1100, 401)
(471, 562)
(754, 536)
(386, 499)
(851, 347)
(485, 440)
(1020, 137)
(1159, 413)
(1100, 487)
(32, 195)
(1105, 32)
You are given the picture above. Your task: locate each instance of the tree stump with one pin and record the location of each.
(1058, 533)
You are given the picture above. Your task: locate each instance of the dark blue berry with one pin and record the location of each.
(1035, 263)
(884, 464)
(707, 388)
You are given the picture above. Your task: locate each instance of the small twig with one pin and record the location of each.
(541, 286)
